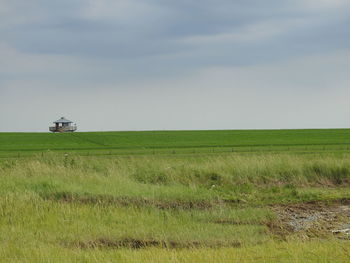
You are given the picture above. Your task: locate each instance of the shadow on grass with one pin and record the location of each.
(87, 198)
(132, 243)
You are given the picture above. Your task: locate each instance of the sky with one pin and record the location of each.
(174, 65)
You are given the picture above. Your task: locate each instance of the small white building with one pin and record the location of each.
(63, 125)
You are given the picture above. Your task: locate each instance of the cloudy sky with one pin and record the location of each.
(164, 64)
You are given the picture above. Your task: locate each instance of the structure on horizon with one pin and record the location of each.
(63, 125)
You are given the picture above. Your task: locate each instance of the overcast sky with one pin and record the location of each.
(165, 64)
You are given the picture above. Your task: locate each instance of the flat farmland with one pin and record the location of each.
(176, 142)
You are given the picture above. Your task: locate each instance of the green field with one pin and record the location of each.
(175, 196)
(176, 142)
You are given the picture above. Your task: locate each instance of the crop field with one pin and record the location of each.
(176, 142)
(175, 196)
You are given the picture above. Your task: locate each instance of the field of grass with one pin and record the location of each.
(176, 142)
(266, 206)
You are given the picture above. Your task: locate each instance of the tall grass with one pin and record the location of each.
(204, 178)
(57, 207)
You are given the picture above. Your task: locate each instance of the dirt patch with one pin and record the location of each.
(314, 219)
(139, 244)
(130, 201)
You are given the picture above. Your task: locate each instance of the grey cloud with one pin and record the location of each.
(161, 64)
(156, 35)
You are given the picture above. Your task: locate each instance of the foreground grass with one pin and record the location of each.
(69, 208)
(204, 181)
(292, 251)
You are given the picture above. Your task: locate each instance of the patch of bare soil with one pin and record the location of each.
(314, 219)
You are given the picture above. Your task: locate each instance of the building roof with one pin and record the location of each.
(63, 120)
